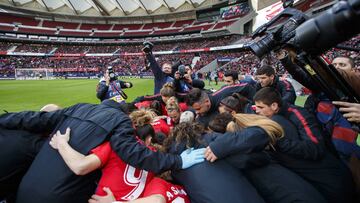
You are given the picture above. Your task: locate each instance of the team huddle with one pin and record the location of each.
(246, 142)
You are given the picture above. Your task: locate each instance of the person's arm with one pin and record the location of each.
(306, 124)
(148, 98)
(298, 73)
(302, 149)
(33, 121)
(311, 144)
(156, 69)
(292, 145)
(244, 89)
(101, 90)
(287, 92)
(251, 139)
(77, 162)
(125, 145)
(176, 82)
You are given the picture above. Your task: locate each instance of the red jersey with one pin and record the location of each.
(161, 125)
(143, 104)
(183, 107)
(126, 182)
(172, 193)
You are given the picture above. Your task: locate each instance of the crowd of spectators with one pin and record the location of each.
(235, 10)
(243, 62)
(130, 48)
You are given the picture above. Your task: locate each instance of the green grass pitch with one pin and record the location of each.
(20, 95)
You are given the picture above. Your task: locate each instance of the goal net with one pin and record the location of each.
(33, 74)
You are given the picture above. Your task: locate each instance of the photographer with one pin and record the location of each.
(162, 75)
(109, 87)
(183, 79)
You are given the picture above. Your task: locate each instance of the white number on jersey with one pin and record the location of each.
(137, 182)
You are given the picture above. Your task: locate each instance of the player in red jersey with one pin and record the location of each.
(127, 182)
(157, 190)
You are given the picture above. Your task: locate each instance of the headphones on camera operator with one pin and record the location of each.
(113, 77)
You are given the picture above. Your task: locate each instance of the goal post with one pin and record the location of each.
(34, 74)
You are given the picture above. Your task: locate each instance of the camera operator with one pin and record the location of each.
(109, 87)
(183, 79)
(162, 75)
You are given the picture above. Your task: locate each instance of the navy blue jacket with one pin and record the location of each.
(214, 182)
(90, 126)
(285, 89)
(248, 140)
(325, 172)
(215, 98)
(275, 183)
(308, 130)
(160, 77)
(106, 92)
(18, 150)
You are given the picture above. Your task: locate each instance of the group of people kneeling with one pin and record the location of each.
(213, 148)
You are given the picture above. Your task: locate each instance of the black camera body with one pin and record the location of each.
(182, 70)
(148, 46)
(278, 37)
(112, 74)
(308, 39)
(313, 35)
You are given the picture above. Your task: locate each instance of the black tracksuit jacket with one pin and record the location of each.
(285, 89)
(50, 180)
(312, 161)
(244, 89)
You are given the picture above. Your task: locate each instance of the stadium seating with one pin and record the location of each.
(12, 19)
(67, 29)
(65, 25)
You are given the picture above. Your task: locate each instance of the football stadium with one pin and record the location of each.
(203, 101)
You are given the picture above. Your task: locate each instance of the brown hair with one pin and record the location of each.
(142, 117)
(268, 95)
(189, 133)
(273, 129)
(220, 121)
(167, 90)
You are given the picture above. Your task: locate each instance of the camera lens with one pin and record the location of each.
(263, 46)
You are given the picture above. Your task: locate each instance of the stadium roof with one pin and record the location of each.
(111, 8)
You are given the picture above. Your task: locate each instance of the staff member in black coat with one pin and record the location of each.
(206, 105)
(302, 149)
(275, 183)
(209, 182)
(50, 180)
(18, 150)
(266, 78)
